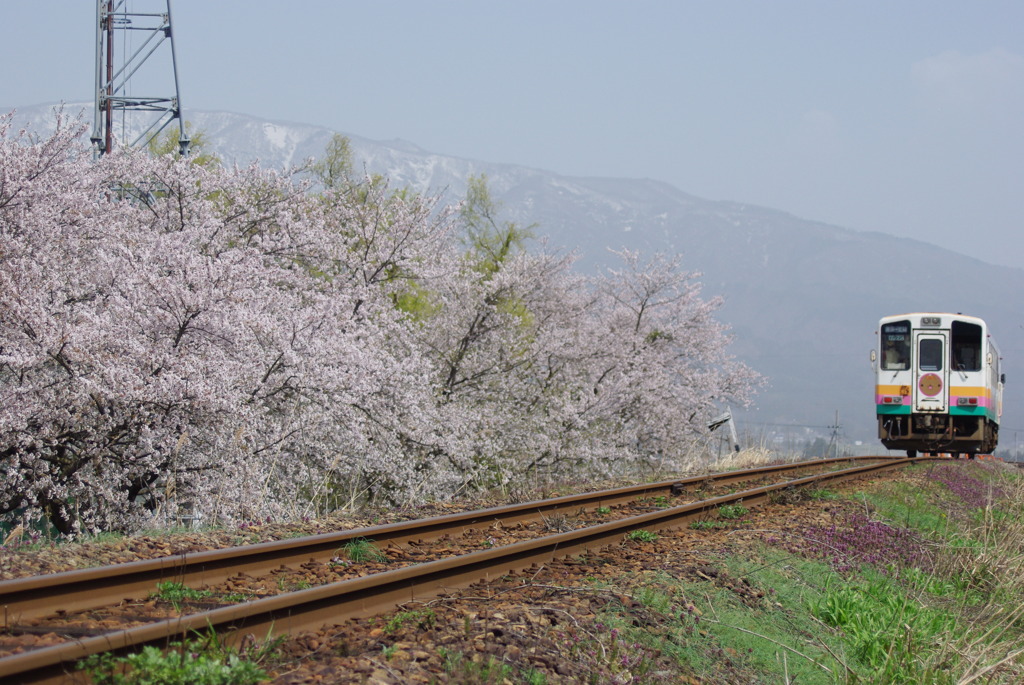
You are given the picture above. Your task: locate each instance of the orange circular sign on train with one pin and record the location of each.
(930, 385)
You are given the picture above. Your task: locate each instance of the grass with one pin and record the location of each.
(422, 619)
(727, 514)
(202, 661)
(237, 598)
(707, 524)
(732, 511)
(286, 585)
(887, 630)
(176, 593)
(709, 634)
(642, 535)
(362, 550)
(913, 583)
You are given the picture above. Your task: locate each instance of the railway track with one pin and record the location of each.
(308, 609)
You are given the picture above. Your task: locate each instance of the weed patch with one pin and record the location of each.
(858, 540)
(891, 633)
(924, 582)
(195, 662)
(732, 511)
(642, 535)
(973, 492)
(422, 620)
(361, 550)
(177, 593)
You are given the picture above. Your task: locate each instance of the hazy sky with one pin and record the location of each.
(902, 117)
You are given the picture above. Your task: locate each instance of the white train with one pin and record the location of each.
(938, 387)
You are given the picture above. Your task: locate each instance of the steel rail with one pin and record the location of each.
(334, 603)
(82, 589)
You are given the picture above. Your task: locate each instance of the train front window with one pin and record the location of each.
(896, 346)
(929, 354)
(966, 346)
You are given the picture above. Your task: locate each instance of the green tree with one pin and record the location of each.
(488, 241)
(334, 169)
(198, 150)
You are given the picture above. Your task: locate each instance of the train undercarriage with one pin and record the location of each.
(938, 433)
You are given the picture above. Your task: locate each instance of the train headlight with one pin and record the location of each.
(967, 401)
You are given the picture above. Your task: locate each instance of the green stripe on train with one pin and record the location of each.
(904, 410)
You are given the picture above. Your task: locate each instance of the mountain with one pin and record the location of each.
(803, 298)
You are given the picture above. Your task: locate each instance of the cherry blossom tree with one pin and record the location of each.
(181, 339)
(174, 334)
(670, 369)
(544, 370)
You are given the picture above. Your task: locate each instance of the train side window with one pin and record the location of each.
(966, 346)
(896, 346)
(929, 354)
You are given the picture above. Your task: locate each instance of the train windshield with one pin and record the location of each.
(966, 343)
(929, 354)
(896, 346)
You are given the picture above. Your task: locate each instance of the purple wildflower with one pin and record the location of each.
(973, 492)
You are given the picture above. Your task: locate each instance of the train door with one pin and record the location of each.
(931, 375)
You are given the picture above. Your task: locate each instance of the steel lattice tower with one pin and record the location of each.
(113, 99)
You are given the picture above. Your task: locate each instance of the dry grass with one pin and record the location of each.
(990, 568)
(750, 458)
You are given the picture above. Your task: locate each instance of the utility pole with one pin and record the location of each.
(112, 98)
(834, 441)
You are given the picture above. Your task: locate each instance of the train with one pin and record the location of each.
(938, 385)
